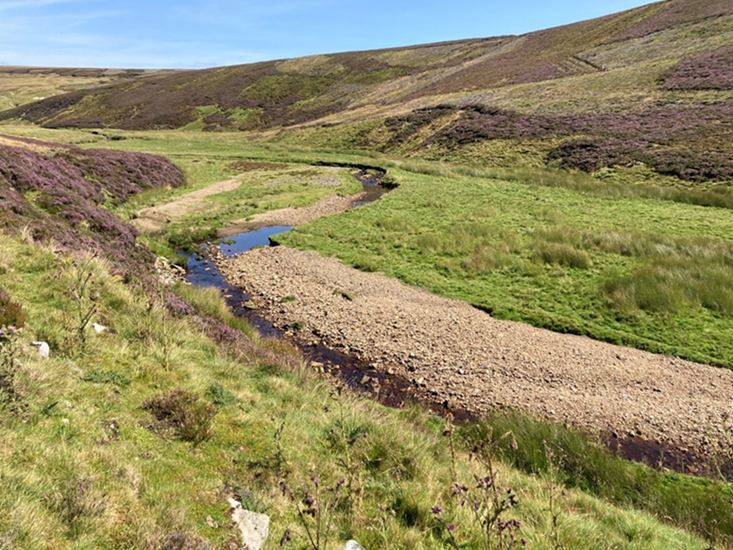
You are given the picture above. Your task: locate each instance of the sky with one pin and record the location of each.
(192, 34)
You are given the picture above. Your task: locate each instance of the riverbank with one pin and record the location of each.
(462, 357)
(294, 216)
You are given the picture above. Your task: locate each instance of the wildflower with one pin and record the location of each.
(437, 510)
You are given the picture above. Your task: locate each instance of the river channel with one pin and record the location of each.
(389, 389)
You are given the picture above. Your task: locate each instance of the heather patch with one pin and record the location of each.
(60, 197)
(590, 155)
(670, 14)
(705, 71)
(658, 137)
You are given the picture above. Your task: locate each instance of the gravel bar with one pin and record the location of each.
(468, 360)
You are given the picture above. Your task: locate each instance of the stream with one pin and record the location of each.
(388, 389)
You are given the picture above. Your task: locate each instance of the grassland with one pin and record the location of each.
(85, 463)
(622, 263)
(642, 272)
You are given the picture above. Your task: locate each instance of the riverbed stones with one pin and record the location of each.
(592, 385)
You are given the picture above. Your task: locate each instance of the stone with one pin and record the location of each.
(211, 523)
(99, 329)
(352, 545)
(254, 527)
(43, 349)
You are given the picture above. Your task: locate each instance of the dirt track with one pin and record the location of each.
(156, 217)
(469, 360)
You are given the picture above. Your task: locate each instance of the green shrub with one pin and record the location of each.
(220, 396)
(108, 377)
(11, 312)
(183, 412)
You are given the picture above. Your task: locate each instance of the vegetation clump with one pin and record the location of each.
(704, 71)
(11, 312)
(184, 413)
(61, 197)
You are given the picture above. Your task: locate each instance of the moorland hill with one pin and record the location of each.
(647, 87)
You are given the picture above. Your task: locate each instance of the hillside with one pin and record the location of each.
(650, 88)
(136, 436)
(21, 85)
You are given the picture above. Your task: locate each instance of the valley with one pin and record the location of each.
(366, 288)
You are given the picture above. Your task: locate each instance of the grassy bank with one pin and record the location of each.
(644, 272)
(91, 457)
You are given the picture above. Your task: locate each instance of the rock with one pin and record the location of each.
(211, 523)
(43, 349)
(352, 545)
(254, 527)
(99, 329)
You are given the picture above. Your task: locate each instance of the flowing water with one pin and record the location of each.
(390, 390)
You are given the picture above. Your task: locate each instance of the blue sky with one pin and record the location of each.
(206, 33)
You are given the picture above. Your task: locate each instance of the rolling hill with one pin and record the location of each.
(650, 87)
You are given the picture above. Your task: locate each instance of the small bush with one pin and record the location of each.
(11, 312)
(77, 501)
(287, 299)
(184, 413)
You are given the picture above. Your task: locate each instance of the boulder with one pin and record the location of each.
(352, 545)
(254, 527)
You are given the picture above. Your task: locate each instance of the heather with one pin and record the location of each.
(705, 71)
(590, 155)
(61, 196)
(668, 138)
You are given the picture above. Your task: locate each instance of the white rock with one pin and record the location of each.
(43, 349)
(352, 545)
(254, 527)
(99, 329)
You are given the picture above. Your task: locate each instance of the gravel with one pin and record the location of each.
(469, 360)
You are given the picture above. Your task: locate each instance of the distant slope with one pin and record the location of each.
(651, 87)
(283, 93)
(21, 85)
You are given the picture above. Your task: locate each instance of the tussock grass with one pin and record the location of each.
(644, 272)
(538, 446)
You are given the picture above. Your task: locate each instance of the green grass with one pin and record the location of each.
(626, 263)
(648, 273)
(84, 463)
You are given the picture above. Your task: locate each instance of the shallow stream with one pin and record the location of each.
(390, 390)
